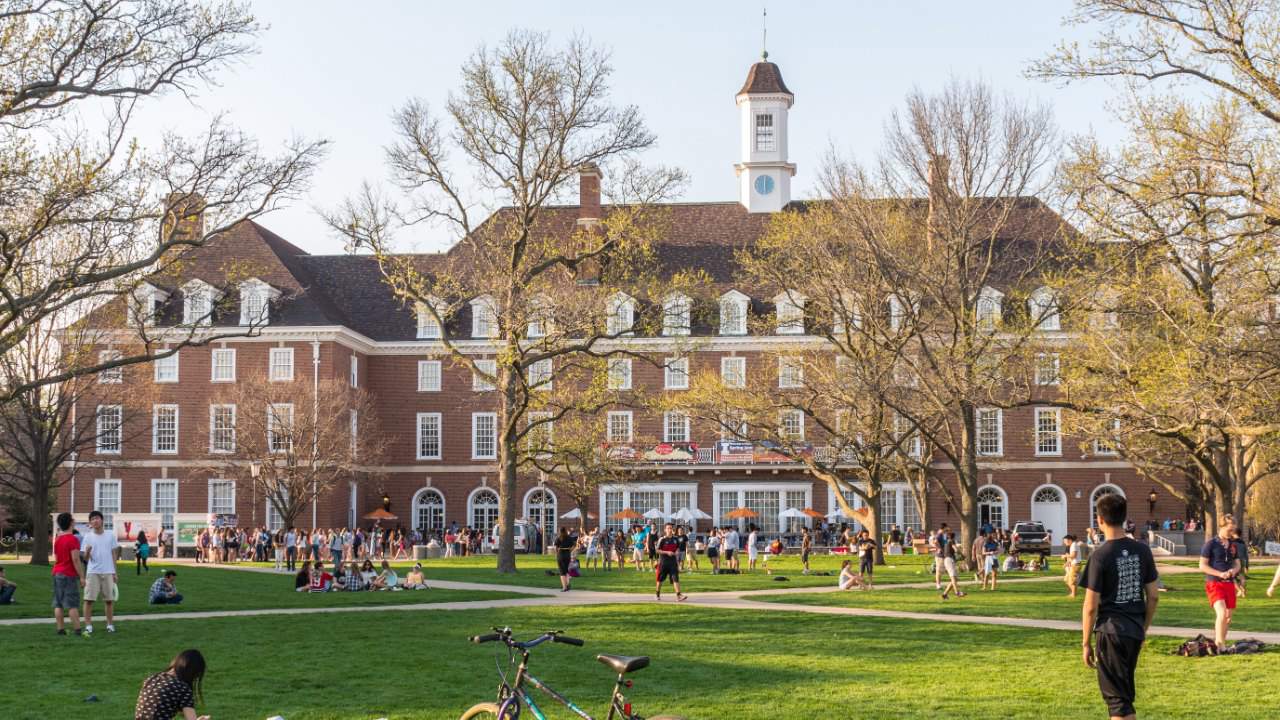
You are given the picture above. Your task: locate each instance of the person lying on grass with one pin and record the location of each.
(416, 580)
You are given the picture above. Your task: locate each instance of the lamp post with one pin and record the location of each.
(1151, 500)
(255, 469)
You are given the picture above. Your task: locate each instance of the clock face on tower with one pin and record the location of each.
(764, 184)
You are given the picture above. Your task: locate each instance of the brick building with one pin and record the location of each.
(332, 317)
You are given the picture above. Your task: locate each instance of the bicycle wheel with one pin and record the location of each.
(482, 711)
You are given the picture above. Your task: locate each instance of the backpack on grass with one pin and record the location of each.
(1200, 646)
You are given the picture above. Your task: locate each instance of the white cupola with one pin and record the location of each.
(764, 175)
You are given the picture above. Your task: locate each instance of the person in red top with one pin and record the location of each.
(321, 581)
(668, 548)
(68, 575)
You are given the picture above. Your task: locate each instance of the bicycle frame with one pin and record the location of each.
(519, 694)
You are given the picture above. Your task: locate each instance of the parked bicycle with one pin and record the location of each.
(513, 696)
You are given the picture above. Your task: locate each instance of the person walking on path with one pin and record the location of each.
(1120, 600)
(947, 543)
(990, 561)
(174, 691)
(1220, 562)
(565, 543)
(101, 552)
(142, 551)
(668, 549)
(1071, 563)
(806, 547)
(939, 549)
(68, 575)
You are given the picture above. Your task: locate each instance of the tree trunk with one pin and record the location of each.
(40, 526)
(967, 480)
(873, 526)
(507, 505)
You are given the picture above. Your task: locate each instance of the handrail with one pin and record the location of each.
(1164, 543)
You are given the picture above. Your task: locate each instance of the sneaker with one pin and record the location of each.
(944, 596)
(79, 631)
(88, 630)
(62, 631)
(111, 628)
(681, 597)
(658, 596)
(961, 593)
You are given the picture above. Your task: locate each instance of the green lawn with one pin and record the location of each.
(1185, 606)
(708, 664)
(214, 589)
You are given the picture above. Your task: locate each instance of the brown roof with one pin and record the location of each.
(764, 77)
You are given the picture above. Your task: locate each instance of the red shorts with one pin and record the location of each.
(1223, 590)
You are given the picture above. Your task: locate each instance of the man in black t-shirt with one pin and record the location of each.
(1120, 599)
(668, 549)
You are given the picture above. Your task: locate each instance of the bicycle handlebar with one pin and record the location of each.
(477, 639)
(504, 634)
(567, 640)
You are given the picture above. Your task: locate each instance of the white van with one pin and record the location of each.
(524, 537)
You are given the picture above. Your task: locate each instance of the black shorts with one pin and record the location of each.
(728, 554)
(713, 553)
(866, 567)
(1117, 659)
(804, 556)
(668, 570)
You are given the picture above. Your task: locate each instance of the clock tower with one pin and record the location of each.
(764, 175)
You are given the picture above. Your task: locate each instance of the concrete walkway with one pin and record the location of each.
(727, 600)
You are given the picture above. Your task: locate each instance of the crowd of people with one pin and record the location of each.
(356, 577)
(287, 546)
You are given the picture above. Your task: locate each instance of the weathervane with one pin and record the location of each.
(764, 34)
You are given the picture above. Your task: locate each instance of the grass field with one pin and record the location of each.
(205, 589)
(708, 665)
(1185, 606)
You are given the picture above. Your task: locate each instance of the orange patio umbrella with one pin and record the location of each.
(813, 513)
(380, 514)
(737, 513)
(626, 514)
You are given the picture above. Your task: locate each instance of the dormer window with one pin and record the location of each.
(428, 325)
(846, 313)
(1043, 307)
(900, 309)
(145, 303)
(198, 299)
(733, 313)
(988, 309)
(622, 314)
(484, 318)
(790, 313)
(255, 302)
(539, 318)
(676, 315)
(766, 140)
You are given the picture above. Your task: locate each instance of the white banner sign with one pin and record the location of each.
(1273, 548)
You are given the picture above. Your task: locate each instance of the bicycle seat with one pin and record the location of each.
(622, 664)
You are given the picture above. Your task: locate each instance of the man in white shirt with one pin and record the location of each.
(731, 547)
(753, 553)
(101, 551)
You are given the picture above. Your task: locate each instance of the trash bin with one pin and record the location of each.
(421, 552)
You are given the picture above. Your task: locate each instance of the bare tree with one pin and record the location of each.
(89, 215)
(545, 290)
(305, 439)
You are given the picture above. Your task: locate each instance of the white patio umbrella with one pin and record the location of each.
(836, 514)
(792, 513)
(655, 514)
(683, 515)
(573, 514)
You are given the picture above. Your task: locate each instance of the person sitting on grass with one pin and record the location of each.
(848, 578)
(7, 588)
(321, 581)
(416, 580)
(174, 691)
(385, 580)
(350, 581)
(302, 580)
(163, 591)
(367, 573)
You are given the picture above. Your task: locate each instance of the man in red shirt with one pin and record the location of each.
(68, 574)
(668, 548)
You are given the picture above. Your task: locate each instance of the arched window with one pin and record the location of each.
(1049, 506)
(482, 510)
(1048, 495)
(676, 314)
(428, 510)
(1043, 308)
(621, 316)
(1098, 492)
(540, 508)
(992, 507)
(733, 313)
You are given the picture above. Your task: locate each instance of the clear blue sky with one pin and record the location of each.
(337, 69)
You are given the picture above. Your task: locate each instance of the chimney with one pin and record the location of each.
(588, 194)
(186, 210)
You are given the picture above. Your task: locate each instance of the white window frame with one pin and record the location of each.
(161, 369)
(484, 317)
(621, 319)
(256, 292)
(428, 327)
(106, 449)
(619, 415)
(1042, 435)
(669, 422)
(790, 372)
(429, 370)
(156, 483)
(155, 428)
(276, 364)
(438, 419)
(766, 133)
(731, 376)
(677, 315)
(733, 313)
(273, 415)
(111, 376)
(220, 482)
(675, 373)
(988, 310)
(197, 303)
(980, 428)
(546, 430)
(475, 436)
(789, 313)
(540, 374)
(1052, 363)
(618, 375)
(1107, 448)
(1045, 313)
(791, 425)
(478, 382)
(213, 364)
(108, 514)
(214, 445)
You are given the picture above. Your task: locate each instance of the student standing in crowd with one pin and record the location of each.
(866, 557)
(564, 553)
(990, 561)
(1071, 563)
(806, 546)
(939, 548)
(753, 552)
(291, 549)
(101, 551)
(947, 541)
(713, 550)
(1119, 604)
(1220, 562)
(731, 547)
(668, 549)
(141, 551)
(68, 574)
